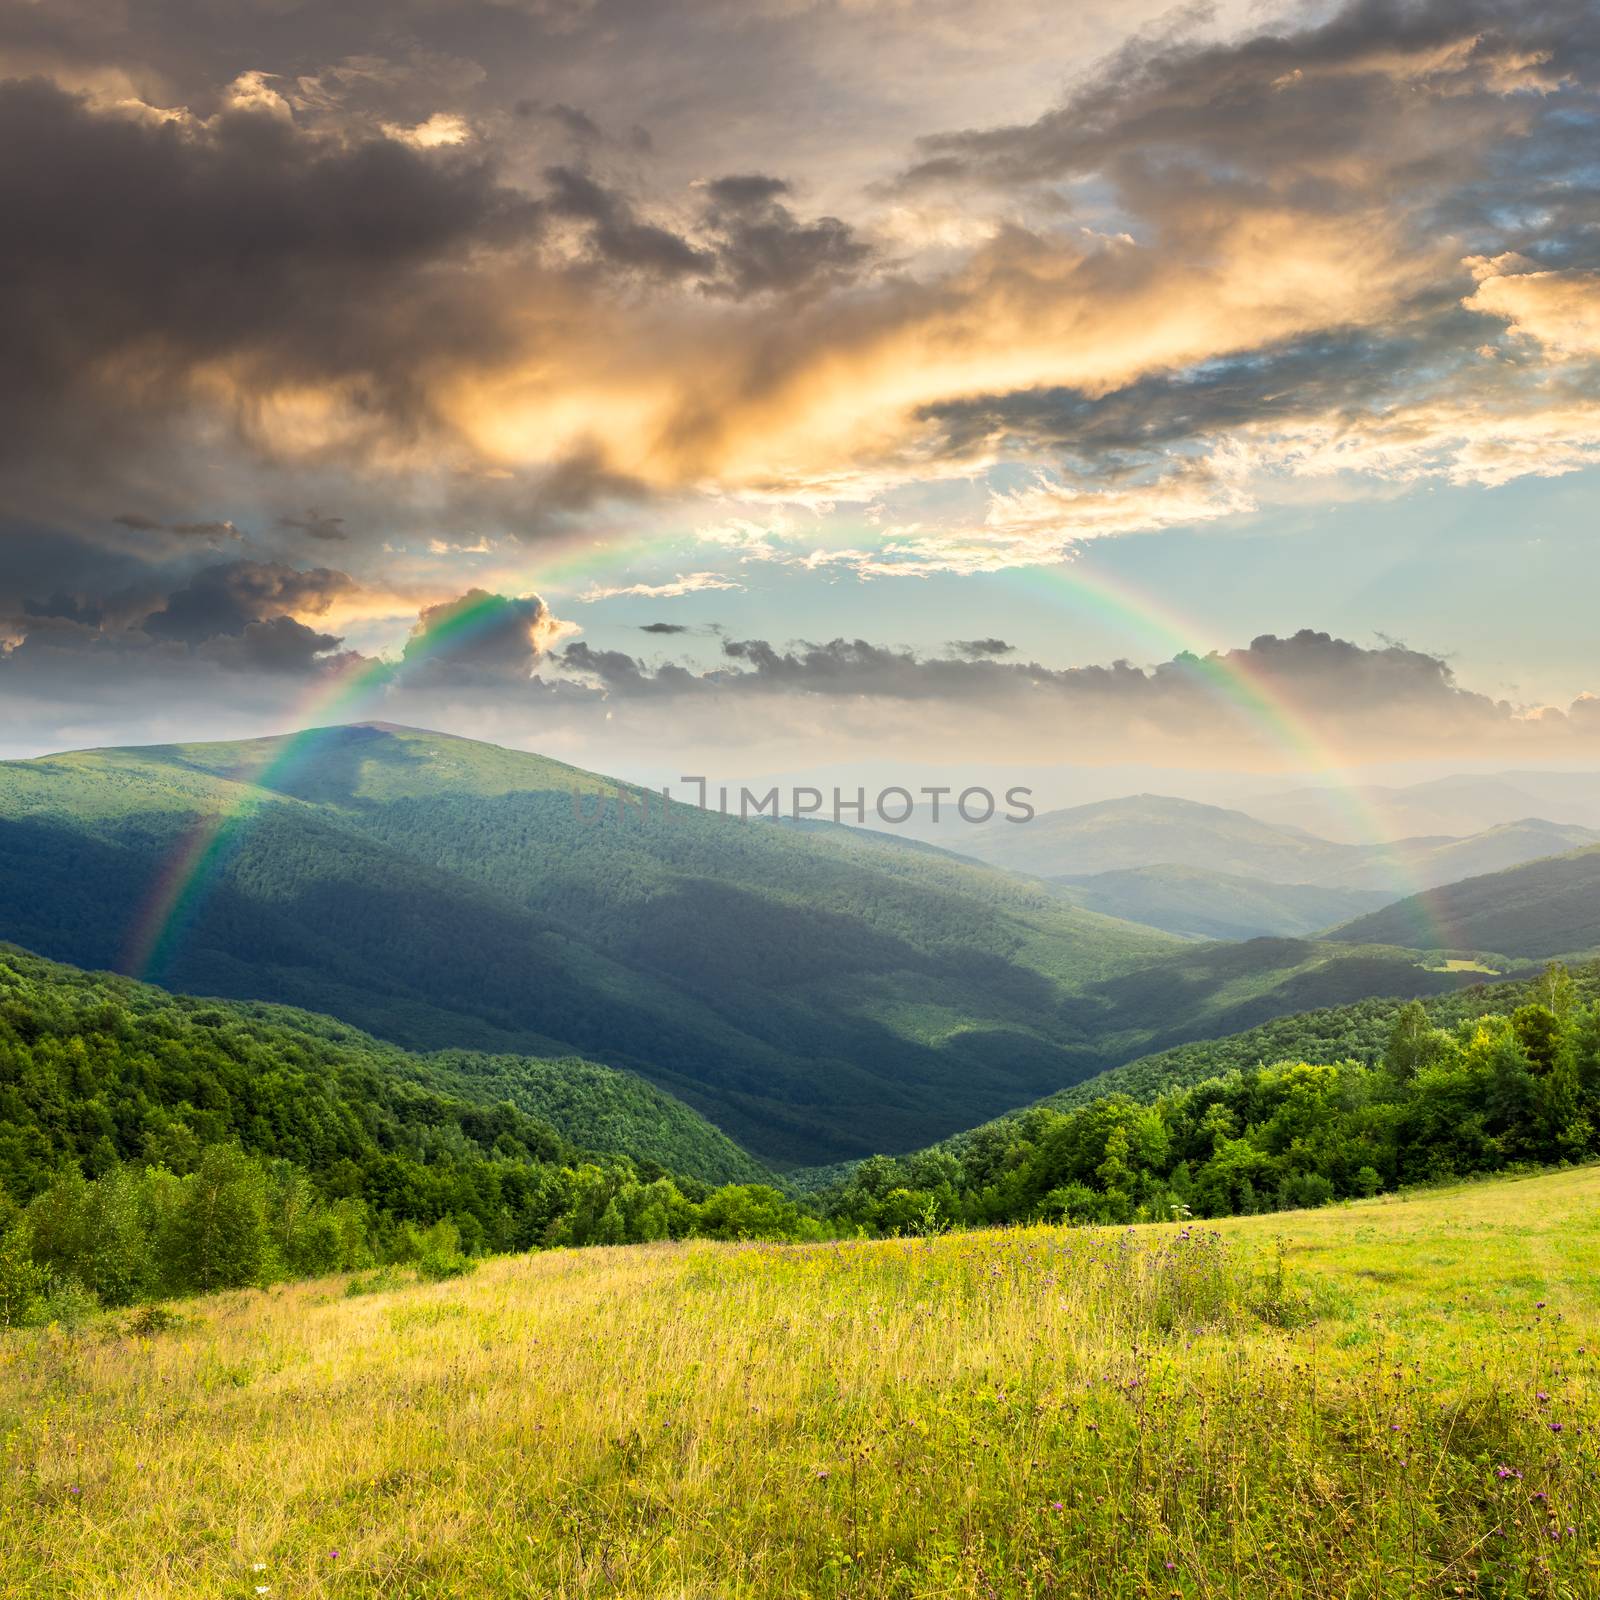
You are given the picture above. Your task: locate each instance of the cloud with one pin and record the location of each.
(213, 532)
(439, 130)
(317, 525)
(477, 330)
(226, 599)
(1260, 705)
(279, 645)
(762, 248)
(280, 283)
(684, 583)
(663, 627)
(617, 237)
(1559, 310)
(480, 637)
(982, 649)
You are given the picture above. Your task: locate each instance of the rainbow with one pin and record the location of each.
(174, 899)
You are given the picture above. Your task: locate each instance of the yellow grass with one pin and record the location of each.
(1044, 1412)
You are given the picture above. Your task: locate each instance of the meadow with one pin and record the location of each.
(1390, 1397)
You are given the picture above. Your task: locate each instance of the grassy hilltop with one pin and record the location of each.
(1394, 1397)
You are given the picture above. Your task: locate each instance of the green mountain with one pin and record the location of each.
(818, 993)
(1198, 904)
(1540, 909)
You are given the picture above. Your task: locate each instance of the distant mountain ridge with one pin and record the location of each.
(1197, 904)
(1458, 805)
(1535, 911)
(1144, 831)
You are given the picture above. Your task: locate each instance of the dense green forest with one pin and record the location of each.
(1492, 1091)
(818, 992)
(152, 1145)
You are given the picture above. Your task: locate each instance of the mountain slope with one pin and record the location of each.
(818, 993)
(1540, 909)
(1213, 905)
(595, 1108)
(1357, 1031)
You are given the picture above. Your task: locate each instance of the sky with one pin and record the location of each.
(758, 385)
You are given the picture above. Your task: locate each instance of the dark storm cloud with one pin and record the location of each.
(154, 250)
(1290, 104)
(226, 599)
(213, 531)
(1343, 373)
(317, 525)
(663, 627)
(618, 238)
(279, 645)
(477, 638)
(1344, 689)
(762, 247)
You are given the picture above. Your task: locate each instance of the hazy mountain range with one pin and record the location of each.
(1208, 871)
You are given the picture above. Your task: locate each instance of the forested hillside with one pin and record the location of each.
(1541, 909)
(152, 1145)
(1354, 1032)
(1198, 904)
(1492, 1090)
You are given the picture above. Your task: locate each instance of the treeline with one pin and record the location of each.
(1357, 1031)
(153, 1146)
(1492, 1092)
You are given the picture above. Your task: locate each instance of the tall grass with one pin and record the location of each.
(1388, 1399)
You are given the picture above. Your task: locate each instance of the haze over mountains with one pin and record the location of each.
(817, 992)
(1460, 804)
(1208, 871)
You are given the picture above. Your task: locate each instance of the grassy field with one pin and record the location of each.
(1391, 1398)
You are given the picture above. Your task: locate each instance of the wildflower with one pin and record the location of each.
(1543, 1398)
(1555, 1427)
